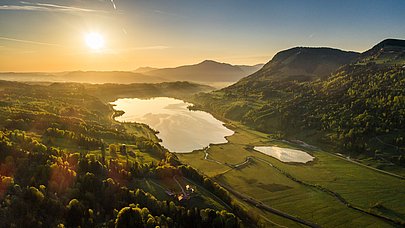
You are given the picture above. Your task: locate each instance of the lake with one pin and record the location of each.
(285, 154)
(180, 129)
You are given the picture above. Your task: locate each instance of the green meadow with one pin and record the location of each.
(303, 190)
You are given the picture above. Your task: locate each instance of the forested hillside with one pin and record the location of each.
(65, 163)
(357, 108)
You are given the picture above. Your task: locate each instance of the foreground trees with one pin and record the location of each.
(45, 186)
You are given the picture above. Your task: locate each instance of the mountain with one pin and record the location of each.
(250, 69)
(352, 103)
(305, 63)
(95, 77)
(145, 69)
(98, 77)
(28, 77)
(207, 71)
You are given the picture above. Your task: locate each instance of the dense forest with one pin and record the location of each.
(356, 108)
(64, 162)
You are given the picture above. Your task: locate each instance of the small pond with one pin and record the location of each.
(285, 154)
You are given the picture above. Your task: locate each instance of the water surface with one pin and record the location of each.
(285, 154)
(180, 129)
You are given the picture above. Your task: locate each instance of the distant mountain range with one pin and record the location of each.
(94, 77)
(207, 72)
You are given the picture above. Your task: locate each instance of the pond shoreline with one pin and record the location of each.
(286, 155)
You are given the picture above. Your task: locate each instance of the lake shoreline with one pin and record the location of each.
(180, 128)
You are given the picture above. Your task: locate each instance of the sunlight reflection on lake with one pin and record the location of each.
(180, 129)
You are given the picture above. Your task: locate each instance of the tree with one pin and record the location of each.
(75, 213)
(113, 150)
(102, 151)
(35, 195)
(151, 222)
(123, 149)
(129, 217)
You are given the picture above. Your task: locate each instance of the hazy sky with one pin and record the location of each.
(45, 35)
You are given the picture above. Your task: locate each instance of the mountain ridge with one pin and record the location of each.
(206, 71)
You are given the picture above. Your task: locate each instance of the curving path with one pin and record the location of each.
(260, 205)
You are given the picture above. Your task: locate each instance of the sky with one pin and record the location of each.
(45, 35)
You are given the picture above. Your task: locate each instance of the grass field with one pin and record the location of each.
(360, 186)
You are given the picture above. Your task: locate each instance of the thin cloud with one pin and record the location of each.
(66, 8)
(27, 41)
(113, 3)
(26, 6)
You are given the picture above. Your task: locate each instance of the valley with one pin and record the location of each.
(253, 153)
(202, 114)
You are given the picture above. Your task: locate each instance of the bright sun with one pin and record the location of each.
(95, 41)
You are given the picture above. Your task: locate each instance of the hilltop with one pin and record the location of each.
(304, 63)
(389, 51)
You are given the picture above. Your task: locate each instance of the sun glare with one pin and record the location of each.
(94, 41)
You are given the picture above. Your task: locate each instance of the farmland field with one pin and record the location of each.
(299, 189)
